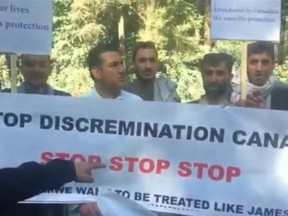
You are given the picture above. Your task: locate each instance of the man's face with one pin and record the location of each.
(146, 64)
(36, 69)
(216, 79)
(111, 73)
(259, 68)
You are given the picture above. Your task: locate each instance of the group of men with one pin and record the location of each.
(220, 85)
(263, 88)
(108, 74)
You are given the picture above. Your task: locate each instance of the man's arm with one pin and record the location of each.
(30, 179)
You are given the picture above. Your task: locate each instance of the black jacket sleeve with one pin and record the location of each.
(30, 179)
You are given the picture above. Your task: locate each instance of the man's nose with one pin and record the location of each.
(121, 69)
(259, 66)
(213, 77)
(148, 64)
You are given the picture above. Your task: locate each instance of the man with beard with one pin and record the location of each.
(146, 85)
(216, 71)
(36, 70)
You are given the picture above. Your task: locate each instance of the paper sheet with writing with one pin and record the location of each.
(26, 26)
(246, 20)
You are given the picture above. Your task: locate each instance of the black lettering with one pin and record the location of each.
(179, 129)
(67, 124)
(10, 119)
(205, 205)
(57, 123)
(217, 135)
(81, 190)
(165, 200)
(150, 130)
(46, 122)
(165, 131)
(127, 128)
(173, 200)
(237, 139)
(284, 142)
(110, 127)
(189, 132)
(269, 140)
(182, 202)
(201, 133)
(157, 196)
(139, 129)
(254, 139)
(82, 128)
(25, 118)
(96, 124)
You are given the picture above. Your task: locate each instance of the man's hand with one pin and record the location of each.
(84, 171)
(89, 209)
(254, 100)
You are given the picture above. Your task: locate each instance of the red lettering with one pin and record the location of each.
(220, 172)
(232, 172)
(62, 155)
(46, 156)
(131, 161)
(116, 163)
(94, 159)
(185, 169)
(148, 167)
(162, 165)
(200, 167)
(78, 157)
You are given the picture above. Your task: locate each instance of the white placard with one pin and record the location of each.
(26, 26)
(246, 20)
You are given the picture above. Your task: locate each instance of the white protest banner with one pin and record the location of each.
(246, 20)
(26, 26)
(178, 158)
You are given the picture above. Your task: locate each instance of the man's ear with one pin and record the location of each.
(95, 73)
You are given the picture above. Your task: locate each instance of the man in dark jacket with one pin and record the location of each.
(30, 179)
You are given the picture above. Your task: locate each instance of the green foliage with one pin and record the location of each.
(4, 74)
(282, 71)
(179, 28)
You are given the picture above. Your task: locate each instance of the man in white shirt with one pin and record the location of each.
(108, 73)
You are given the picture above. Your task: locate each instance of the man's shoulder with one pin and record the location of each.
(130, 96)
(280, 85)
(6, 90)
(167, 82)
(55, 92)
(61, 93)
(194, 102)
